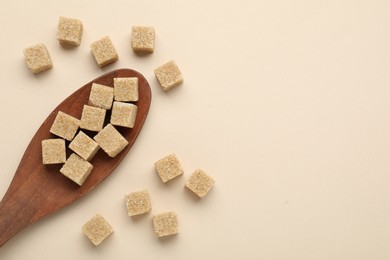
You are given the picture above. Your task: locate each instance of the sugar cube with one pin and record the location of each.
(38, 58)
(69, 31)
(101, 96)
(84, 146)
(142, 39)
(53, 151)
(92, 118)
(168, 168)
(65, 126)
(104, 51)
(168, 75)
(110, 140)
(126, 89)
(138, 203)
(200, 183)
(97, 229)
(76, 168)
(165, 224)
(123, 114)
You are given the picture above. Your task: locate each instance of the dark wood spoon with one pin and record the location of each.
(39, 190)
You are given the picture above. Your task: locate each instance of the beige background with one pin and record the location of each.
(285, 103)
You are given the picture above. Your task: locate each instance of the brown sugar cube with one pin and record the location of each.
(76, 168)
(97, 229)
(138, 203)
(142, 39)
(123, 114)
(200, 183)
(53, 151)
(110, 140)
(104, 51)
(101, 96)
(126, 89)
(84, 146)
(37, 58)
(65, 126)
(168, 168)
(168, 75)
(165, 224)
(92, 118)
(69, 31)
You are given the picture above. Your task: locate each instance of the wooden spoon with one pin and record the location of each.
(39, 190)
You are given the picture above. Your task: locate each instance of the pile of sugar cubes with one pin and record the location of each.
(137, 203)
(66, 127)
(69, 35)
(120, 99)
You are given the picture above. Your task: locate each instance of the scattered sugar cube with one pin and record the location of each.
(165, 224)
(126, 89)
(200, 183)
(110, 140)
(168, 75)
(104, 51)
(76, 168)
(53, 151)
(92, 118)
(101, 96)
(65, 126)
(123, 114)
(38, 58)
(84, 146)
(97, 229)
(142, 39)
(138, 203)
(69, 31)
(168, 168)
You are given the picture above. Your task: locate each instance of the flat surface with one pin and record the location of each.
(284, 103)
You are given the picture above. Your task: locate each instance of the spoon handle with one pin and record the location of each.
(27, 199)
(15, 214)
(16, 210)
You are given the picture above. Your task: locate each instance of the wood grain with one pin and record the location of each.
(39, 190)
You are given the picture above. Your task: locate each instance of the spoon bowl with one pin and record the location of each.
(38, 190)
